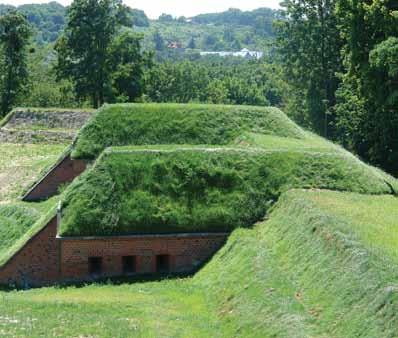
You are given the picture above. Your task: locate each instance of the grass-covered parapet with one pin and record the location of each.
(19, 222)
(140, 124)
(173, 189)
(325, 264)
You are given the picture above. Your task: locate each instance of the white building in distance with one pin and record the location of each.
(243, 53)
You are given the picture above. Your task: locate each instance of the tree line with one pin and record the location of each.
(339, 59)
(99, 58)
(333, 68)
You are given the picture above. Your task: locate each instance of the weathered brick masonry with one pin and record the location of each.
(37, 263)
(183, 252)
(63, 172)
(46, 259)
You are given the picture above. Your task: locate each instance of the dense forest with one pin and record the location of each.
(331, 65)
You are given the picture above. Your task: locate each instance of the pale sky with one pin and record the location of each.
(153, 8)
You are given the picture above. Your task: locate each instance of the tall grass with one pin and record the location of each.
(140, 124)
(199, 189)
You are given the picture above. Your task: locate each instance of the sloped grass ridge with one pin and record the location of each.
(19, 221)
(184, 189)
(15, 219)
(149, 124)
(309, 271)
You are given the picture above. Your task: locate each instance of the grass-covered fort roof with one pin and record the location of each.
(192, 168)
(196, 189)
(144, 124)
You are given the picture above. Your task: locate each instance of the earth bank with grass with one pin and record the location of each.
(312, 250)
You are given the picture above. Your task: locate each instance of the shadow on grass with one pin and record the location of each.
(103, 281)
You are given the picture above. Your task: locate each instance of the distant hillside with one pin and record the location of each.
(48, 20)
(260, 19)
(230, 30)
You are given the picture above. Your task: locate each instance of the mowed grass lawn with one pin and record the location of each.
(156, 309)
(371, 220)
(22, 164)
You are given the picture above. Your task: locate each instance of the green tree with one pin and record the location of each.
(309, 46)
(165, 18)
(217, 92)
(83, 50)
(138, 18)
(43, 90)
(159, 41)
(14, 37)
(370, 29)
(128, 65)
(218, 80)
(192, 43)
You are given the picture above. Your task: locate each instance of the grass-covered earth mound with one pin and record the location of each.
(45, 119)
(19, 221)
(196, 189)
(324, 264)
(42, 126)
(23, 164)
(149, 124)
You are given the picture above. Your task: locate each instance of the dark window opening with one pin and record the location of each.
(129, 264)
(163, 263)
(95, 265)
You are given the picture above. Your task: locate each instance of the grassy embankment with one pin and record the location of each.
(21, 165)
(193, 124)
(252, 155)
(323, 265)
(316, 268)
(199, 189)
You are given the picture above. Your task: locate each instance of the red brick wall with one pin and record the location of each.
(186, 252)
(46, 259)
(64, 172)
(37, 263)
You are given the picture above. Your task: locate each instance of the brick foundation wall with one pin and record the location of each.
(64, 172)
(186, 253)
(37, 263)
(47, 260)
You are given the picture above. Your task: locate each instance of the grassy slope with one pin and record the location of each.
(19, 221)
(306, 273)
(20, 166)
(200, 189)
(309, 271)
(145, 124)
(254, 179)
(324, 265)
(23, 164)
(42, 120)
